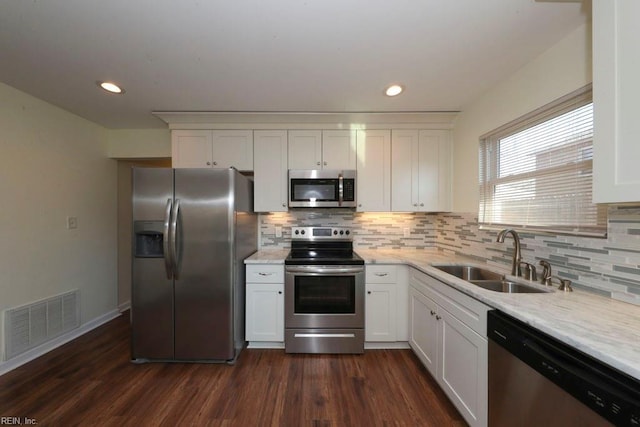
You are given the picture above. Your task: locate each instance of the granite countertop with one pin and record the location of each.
(604, 328)
(268, 256)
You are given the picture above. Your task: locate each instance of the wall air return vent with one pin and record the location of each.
(33, 324)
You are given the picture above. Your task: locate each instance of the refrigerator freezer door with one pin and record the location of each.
(152, 291)
(204, 243)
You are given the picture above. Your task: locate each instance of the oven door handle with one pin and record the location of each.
(324, 270)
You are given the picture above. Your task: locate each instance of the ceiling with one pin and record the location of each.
(276, 55)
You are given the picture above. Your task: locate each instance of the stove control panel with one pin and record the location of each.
(321, 233)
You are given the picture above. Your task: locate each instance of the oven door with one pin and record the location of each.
(324, 297)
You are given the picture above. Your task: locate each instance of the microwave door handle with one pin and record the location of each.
(340, 189)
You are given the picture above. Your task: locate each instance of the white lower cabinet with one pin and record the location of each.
(447, 331)
(386, 305)
(264, 309)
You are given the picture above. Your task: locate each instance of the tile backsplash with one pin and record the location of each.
(370, 230)
(607, 266)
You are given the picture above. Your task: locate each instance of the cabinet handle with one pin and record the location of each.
(265, 274)
(433, 312)
(318, 163)
(208, 163)
(380, 274)
(438, 317)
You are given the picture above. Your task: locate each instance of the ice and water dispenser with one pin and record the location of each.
(148, 239)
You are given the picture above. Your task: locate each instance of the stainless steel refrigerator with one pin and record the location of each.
(192, 229)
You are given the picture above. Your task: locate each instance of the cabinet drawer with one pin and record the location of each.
(264, 273)
(380, 274)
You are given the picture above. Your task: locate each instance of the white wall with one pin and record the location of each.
(139, 143)
(52, 165)
(560, 70)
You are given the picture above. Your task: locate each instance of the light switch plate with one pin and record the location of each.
(72, 222)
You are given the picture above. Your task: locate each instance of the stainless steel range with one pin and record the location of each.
(324, 292)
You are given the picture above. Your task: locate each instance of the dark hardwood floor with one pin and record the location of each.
(91, 381)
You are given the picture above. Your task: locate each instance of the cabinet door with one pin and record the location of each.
(265, 312)
(305, 149)
(404, 176)
(374, 171)
(270, 171)
(616, 89)
(434, 170)
(462, 368)
(233, 148)
(423, 329)
(191, 148)
(339, 149)
(380, 312)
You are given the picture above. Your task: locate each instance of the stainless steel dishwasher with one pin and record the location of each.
(535, 380)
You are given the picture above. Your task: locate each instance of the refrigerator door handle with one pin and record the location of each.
(174, 239)
(165, 240)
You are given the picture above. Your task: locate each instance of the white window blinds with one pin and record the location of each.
(536, 172)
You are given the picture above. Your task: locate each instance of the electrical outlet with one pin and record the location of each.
(407, 232)
(278, 231)
(72, 222)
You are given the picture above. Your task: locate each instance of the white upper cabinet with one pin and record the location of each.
(421, 172)
(212, 149)
(270, 171)
(616, 90)
(338, 149)
(373, 191)
(328, 149)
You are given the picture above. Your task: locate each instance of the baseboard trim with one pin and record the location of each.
(393, 345)
(34, 353)
(124, 306)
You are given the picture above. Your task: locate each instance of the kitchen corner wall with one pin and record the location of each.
(606, 266)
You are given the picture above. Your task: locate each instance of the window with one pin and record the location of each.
(536, 172)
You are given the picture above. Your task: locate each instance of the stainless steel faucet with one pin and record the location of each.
(517, 256)
(546, 272)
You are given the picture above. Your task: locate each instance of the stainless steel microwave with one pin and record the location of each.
(322, 188)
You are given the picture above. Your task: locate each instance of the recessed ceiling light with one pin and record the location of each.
(393, 90)
(110, 87)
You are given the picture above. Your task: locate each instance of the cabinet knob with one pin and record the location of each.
(279, 292)
(215, 163)
(325, 163)
(208, 163)
(433, 312)
(415, 205)
(438, 317)
(360, 205)
(318, 163)
(369, 292)
(421, 204)
(284, 205)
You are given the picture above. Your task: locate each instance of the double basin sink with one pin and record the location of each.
(487, 279)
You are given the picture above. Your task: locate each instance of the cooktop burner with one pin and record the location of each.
(322, 246)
